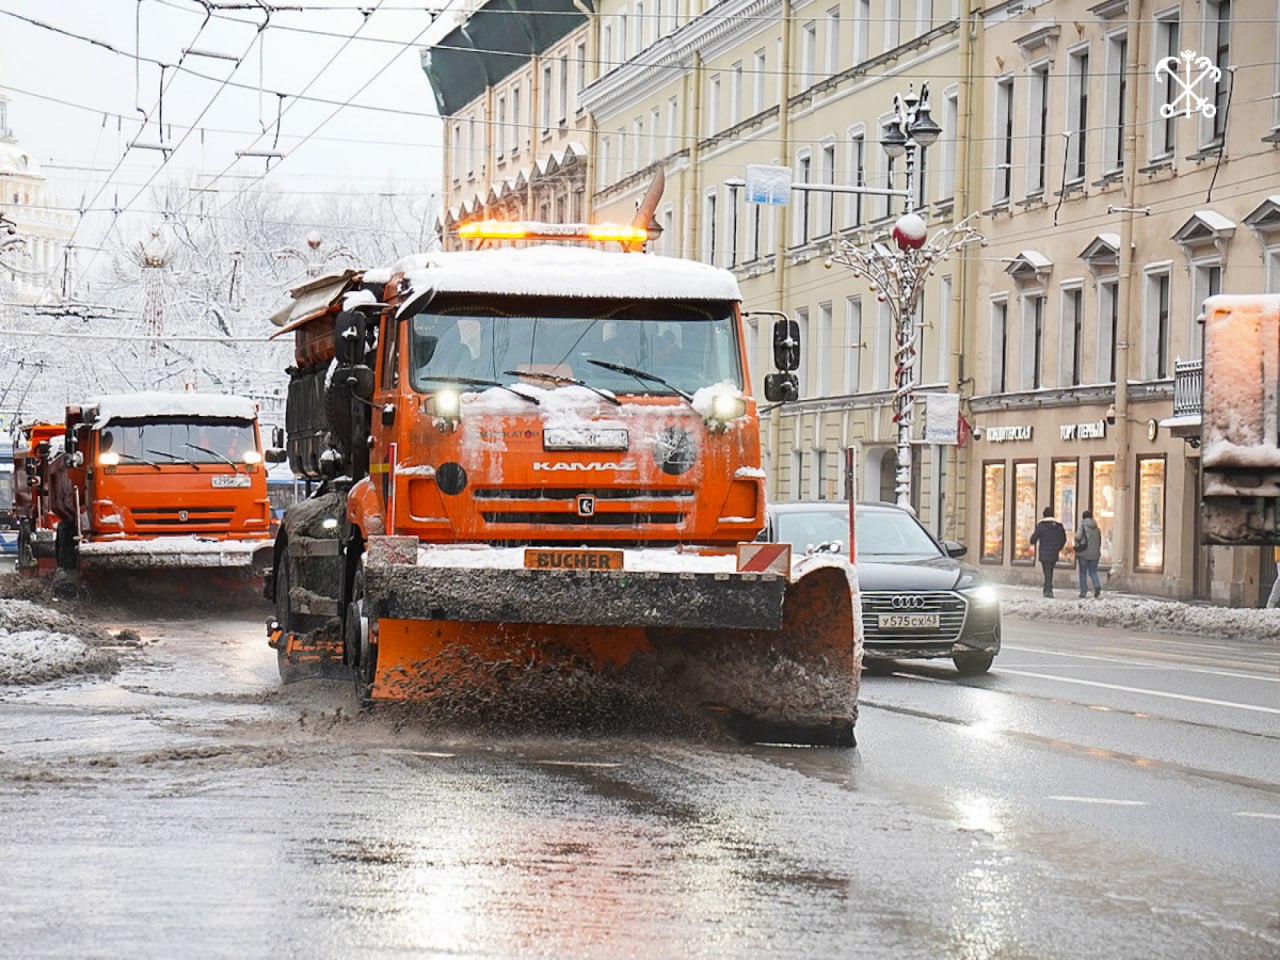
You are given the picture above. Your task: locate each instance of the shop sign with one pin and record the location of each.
(1094, 430)
(1021, 431)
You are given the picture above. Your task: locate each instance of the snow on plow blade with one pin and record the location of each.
(249, 556)
(774, 657)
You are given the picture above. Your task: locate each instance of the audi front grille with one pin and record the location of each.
(949, 607)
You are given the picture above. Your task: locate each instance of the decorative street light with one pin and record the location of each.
(897, 277)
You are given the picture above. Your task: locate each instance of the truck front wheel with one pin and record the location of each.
(362, 651)
(65, 546)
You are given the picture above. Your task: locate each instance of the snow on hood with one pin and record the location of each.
(133, 406)
(556, 271)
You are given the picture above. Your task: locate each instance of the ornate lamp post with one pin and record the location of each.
(897, 277)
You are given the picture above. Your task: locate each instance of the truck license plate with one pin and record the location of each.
(908, 621)
(224, 480)
(576, 559)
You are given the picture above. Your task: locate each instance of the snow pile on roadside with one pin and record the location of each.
(1150, 616)
(38, 644)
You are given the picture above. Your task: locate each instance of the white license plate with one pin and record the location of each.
(223, 480)
(908, 621)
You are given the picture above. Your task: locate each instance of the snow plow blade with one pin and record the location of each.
(773, 657)
(251, 557)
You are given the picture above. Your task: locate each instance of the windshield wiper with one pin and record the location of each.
(212, 453)
(476, 382)
(641, 375)
(561, 378)
(130, 456)
(174, 456)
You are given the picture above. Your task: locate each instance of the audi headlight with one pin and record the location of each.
(984, 595)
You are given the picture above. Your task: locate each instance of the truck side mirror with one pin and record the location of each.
(786, 345)
(349, 337)
(275, 455)
(781, 387)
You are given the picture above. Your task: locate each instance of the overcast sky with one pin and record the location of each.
(77, 106)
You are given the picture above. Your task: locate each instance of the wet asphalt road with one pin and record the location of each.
(1099, 794)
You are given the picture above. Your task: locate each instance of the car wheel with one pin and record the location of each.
(973, 664)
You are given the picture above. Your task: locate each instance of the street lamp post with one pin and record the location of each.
(897, 277)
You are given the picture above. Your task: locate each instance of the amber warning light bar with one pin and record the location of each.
(533, 230)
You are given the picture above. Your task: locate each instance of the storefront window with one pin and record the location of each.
(1024, 510)
(1150, 539)
(993, 511)
(1103, 503)
(1064, 503)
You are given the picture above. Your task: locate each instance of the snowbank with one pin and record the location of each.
(1128, 612)
(38, 644)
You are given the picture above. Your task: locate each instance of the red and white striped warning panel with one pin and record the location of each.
(764, 558)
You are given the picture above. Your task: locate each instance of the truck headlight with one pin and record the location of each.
(446, 404)
(725, 407)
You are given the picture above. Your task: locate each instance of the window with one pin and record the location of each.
(1033, 342)
(564, 88)
(993, 487)
(1073, 336)
(1102, 500)
(1064, 502)
(620, 158)
(822, 351)
(711, 226)
(943, 330)
(826, 199)
(655, 124)
(1038, 147)
(1002, 188)
(802, 319)
(1149, 542)
(713, 105)
(1078, 111)
(804, 171)
(1156, 348)
(1108, 322)
(820, 474)
(892, 23)
(472, 147)
(1117, 64)
(758, 61)
(999, 346)
(1025, 514)
(733, 228)
(455, 152)
(672, 123)
(852, 345)
(882, 347)
(1164, 131)
(1218, 25)
(735, 93)
(808, 54)
(861, 30)
(796, 480)
(637, 144)
(582, 72)
(1206, 280)
(832, 66)
(858, 163)
(501, 132)
(606, 46)
(642, 28)
(545, 101)
(515, 120)
(888, 182)
(606, 146)
(950, 124)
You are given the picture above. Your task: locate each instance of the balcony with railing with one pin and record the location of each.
(1188, 384)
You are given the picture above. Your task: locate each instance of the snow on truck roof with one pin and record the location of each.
(132, 406)
(562, 271)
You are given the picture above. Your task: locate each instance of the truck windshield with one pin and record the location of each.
(689, 345)
(177, 439)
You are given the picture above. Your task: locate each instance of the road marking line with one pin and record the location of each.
(1151, 693)
(1106, 800)
(1147, 665)
(589, 764)
(1260, 816)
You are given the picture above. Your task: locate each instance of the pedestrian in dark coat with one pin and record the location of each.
(1050, 536)
(1088, 553)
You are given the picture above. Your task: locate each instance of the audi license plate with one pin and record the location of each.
(908, 621)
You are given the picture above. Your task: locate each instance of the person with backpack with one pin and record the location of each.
(1088, 553)
(1051, 537)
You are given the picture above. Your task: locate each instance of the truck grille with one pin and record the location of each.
(169, 519)
(948, 606)
(615, 506)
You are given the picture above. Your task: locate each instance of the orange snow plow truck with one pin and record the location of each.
(547, 459)
(144, 482)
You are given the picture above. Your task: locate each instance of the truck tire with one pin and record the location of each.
(363, 653)
(289, 672)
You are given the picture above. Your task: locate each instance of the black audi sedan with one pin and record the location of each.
(918, 598)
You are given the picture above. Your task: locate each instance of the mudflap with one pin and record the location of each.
(316, 654)
(791, 683)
